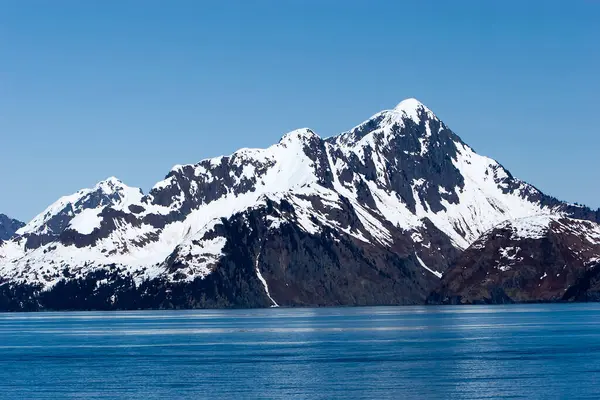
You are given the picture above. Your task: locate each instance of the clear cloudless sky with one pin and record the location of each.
(91, 89)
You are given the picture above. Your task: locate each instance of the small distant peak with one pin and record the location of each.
(113, 180)
(110, 185)
(110, 181)
(299, 134)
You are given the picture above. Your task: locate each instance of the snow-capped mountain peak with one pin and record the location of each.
(400, 182)
(409, 118)
(412, 108)
(302, 134)
(109, 185)
(59, 215)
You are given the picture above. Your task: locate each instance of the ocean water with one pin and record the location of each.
(464, 352)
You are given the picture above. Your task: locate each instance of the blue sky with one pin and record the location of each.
(130, 88)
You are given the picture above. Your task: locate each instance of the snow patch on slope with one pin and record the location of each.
(86, 221)
(482, 203)
(436, 273)
(200, 252)
(263, 281)
(534, 227)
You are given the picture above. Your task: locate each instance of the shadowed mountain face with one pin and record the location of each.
(8, 227)
(374, 215)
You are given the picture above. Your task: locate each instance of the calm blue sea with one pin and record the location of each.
(466, 352)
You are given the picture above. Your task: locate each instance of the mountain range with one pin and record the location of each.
(397, 210)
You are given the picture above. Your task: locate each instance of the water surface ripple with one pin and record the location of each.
(466, 352)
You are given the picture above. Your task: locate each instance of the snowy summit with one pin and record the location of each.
(373, 215)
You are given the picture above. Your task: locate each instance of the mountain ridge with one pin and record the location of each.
(400, 192)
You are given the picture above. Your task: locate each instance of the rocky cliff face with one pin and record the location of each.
(374, 215)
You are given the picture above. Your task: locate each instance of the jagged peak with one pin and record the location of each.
(109, 184)
(6, 218)
(110, 187)
(8, 227)
(408, 109)
(301, 135)
(113, 180)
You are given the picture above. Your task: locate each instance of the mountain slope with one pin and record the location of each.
(529, 259)
(371, 216)
(8, 227)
